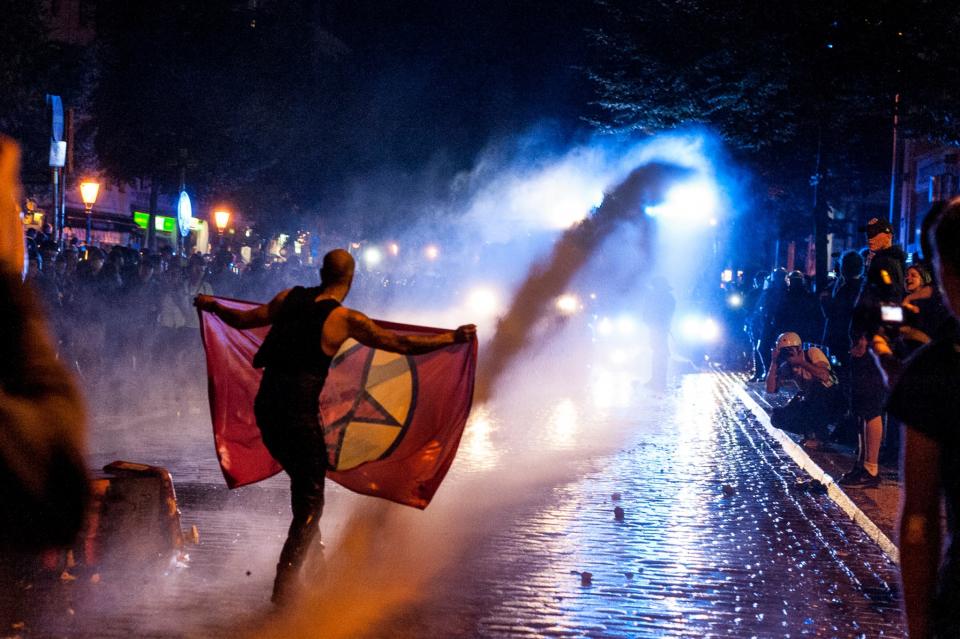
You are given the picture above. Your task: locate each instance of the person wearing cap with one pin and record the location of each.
(813, 407)
(884, 264)
(883, 284)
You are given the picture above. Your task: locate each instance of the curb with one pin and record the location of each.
(802, 459)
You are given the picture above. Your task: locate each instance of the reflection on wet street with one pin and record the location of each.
(713, 538)
(714, 541)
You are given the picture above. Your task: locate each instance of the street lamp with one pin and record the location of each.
(221, 218)
(88, 193)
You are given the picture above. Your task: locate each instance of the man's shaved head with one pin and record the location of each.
(337, 268)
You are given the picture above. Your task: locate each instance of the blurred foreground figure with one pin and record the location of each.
(43, 481)
(308, 326)
(927, 400)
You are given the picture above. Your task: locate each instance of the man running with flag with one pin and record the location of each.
(308, 328)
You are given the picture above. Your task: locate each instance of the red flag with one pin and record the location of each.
(392, 423)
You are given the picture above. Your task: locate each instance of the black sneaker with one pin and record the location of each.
(859, 477)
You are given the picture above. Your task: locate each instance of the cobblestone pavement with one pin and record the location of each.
(715, 539)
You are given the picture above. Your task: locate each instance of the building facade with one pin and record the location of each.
(930, 174)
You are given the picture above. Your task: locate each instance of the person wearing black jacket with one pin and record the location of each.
(837, 306)
(883, 284)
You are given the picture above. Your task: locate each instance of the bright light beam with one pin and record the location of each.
(688, 202)
(568, 304)
(484, 302)
(698, 329)
(372, 256)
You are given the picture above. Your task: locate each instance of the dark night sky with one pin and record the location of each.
(413, 87)
(424, 86)
(445, 77)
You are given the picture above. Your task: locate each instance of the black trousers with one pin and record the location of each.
(807, 415)
(287, 411)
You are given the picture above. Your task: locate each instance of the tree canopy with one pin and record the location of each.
(781, 82)
(31, 66)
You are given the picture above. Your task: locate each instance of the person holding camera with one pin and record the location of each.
(812, 408)
(882, 287)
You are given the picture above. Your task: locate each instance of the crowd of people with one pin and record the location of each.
(118, 314)
(879, 349)
(820, 344)
(883, 338)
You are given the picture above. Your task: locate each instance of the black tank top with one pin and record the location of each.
(293, 344)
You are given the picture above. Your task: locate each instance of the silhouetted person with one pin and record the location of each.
(43, 481)
(796, 310)
(658, 310)
(755, 322)
(927, 401)
(837, 305)
(776, 288)
(308, 326)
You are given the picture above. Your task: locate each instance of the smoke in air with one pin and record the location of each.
(382, 558)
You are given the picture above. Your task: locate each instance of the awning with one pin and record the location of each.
(101, 221)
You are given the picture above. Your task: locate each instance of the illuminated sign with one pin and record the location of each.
(184, 213)
(160, 223)
(165, 224)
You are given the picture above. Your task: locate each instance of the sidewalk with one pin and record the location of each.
(874, 509)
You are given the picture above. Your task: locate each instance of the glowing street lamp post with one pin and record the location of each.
(88, 193)
(221, 218)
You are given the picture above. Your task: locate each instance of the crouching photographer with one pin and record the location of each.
(813, 408)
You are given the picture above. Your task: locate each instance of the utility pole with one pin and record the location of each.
(821, 219)
(58, 157)
(894, 213)
(152, 220)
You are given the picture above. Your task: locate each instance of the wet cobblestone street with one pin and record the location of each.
(715, 540)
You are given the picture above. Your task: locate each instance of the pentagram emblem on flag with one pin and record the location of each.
(392, 423)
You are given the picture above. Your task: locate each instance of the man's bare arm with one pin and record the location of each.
(820, 370)
(367, 332)
(262, 315)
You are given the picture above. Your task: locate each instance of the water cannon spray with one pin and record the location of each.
(645, 186)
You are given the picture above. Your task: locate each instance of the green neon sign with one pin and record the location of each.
(160, 222)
